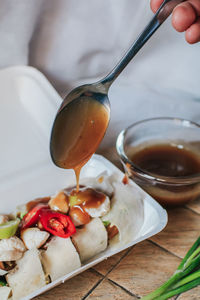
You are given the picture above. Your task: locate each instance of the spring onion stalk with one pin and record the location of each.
(186, 277)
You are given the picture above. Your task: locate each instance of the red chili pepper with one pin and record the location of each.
(57, 223)
(32, 216)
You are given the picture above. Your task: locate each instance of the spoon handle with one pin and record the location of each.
(161, 15)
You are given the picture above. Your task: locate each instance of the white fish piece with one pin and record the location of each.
(103, 183)
(27, 276)
(101, 210)
(5, 292)
(34, 237)
(127, 213)
(3, 219)
(91, 239)
(11, 249)
(60, 258)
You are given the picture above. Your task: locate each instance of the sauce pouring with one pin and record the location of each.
(83, 117)
(78, 129)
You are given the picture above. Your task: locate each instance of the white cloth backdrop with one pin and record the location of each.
(77, 41)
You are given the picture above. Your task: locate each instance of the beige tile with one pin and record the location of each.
(107, 290)
(193, 294)
(145, 268)
(182, 230)
(194, 205)
(73, 289)
(105, 266)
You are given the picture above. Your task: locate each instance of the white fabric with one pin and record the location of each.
(77, 41)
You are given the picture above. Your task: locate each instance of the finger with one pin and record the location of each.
(184, 15)
(155, 4)
(192, 34)
(196, 6)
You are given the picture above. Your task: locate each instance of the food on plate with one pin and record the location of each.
(91, 239)
(124, 212)
(8, 228)
(57, 224)
(52, 236)
(11, 249)
(5, 292)
(3, 219)
(27, 276)
(60, 258)
(86, 204)
(34, 237)
(59, 203)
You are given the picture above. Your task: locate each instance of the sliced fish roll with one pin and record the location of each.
(60, 258)
(91, 239)
(127, 213)
(28, 275)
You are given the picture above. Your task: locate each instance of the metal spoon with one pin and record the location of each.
(83, 117)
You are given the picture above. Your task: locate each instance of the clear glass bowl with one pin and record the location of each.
(184, 135)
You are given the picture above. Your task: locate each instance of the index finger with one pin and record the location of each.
(155, 4)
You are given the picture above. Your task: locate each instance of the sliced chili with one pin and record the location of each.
(32, 216)
(57, 223)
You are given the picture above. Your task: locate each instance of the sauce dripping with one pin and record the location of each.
(76, 136)
(125, 179)
(77, 171)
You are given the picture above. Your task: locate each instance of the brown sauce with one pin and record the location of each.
(167, 160)
(2, 266)
(87, 198)
(90, 198)
(125, 179)
(60, 202)
(112, 231)
(77, 136)
(80, 214)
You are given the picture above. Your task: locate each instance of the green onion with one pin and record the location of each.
(186, 277)
(106, 223)
(22, 214)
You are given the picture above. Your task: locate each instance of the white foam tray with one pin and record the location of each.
(28, 104)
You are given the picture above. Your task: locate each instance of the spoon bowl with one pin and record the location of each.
(79, 126)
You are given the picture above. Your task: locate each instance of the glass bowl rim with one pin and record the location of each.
(184, 180)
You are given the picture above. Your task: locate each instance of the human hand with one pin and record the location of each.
(185, 17)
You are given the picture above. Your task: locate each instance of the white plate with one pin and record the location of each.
(27, 109)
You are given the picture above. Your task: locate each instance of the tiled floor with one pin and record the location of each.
(140, 269)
